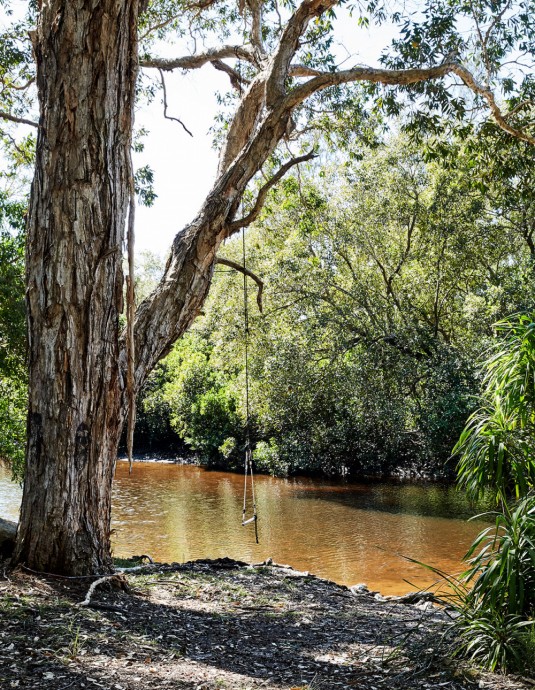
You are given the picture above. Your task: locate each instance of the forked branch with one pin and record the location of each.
(262, 194)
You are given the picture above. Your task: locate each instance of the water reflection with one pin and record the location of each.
(347, 532)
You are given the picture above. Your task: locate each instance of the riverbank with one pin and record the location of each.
(221, 624)
(409, 472)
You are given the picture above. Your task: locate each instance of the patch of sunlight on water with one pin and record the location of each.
(346, 532)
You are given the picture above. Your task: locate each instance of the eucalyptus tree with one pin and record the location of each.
(82, 369)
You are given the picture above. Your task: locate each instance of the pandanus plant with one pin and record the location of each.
(496, 626)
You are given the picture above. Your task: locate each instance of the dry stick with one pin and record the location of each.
(94, 585)
(170, 117)
(130, 317)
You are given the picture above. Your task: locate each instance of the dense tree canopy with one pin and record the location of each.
(383, 278)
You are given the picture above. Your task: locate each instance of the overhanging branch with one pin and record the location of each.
(196, 61)
(260, 199)
(404, 77)
(238, 267)
(392, 77)
(19, 120)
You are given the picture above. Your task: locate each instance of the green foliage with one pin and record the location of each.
(484, 35)
(494, 639)
(526, 649)
(384, 275)
(13, 403)
(13, 392)
(144, 185)
(153, 431)
(267, 458)
(12, 310)
(496, 595)
(496, 624)
(502, 563)
(204, 405)
(496, 446)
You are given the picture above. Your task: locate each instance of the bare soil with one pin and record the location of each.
(211, 625)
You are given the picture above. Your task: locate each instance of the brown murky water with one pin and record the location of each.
(346, 532)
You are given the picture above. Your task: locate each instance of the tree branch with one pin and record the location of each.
(255, 7)
(288, 45)
(304, 71)
(501, 118)
(518, 107)
(243, 123)
(260, 199)
(21, 87)
(246, 272)
(170, 117)
(197, 61)
(393, 77)
(20, 120)
(160, 25)
(404, 77)
(235, 79)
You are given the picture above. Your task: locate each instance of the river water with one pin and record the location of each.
(347, 532)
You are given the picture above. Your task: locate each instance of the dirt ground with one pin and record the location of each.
(222, 625)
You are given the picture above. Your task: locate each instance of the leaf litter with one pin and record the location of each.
(224, 625)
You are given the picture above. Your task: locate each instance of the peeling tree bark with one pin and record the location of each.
(86, 71)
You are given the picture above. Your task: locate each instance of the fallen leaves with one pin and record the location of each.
(201, 626)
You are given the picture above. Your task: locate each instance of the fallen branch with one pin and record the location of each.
(96, 583)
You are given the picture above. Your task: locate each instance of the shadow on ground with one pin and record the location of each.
(208, 628)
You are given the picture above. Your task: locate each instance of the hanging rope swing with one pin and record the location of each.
(248, 475)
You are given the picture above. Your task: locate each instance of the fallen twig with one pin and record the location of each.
(94, 585)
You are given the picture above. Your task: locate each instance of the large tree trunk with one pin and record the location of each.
(86, 58)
